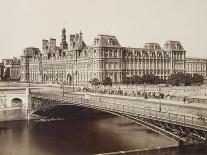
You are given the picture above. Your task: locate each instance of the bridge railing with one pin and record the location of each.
(175, 118)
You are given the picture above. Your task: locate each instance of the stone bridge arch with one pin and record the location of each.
(16, 100)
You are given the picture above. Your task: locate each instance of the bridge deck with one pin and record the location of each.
(178, 125)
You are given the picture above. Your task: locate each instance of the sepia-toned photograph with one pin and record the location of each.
(103, 77)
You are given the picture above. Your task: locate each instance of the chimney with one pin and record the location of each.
(52, 42)
(44, 45)
(71, 40)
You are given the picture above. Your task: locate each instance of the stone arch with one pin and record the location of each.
(16, 102)
(44, 78)
(139, 54)
(21, 76)
(160, 54)
(152, 54)
(69, 78)
(145, 54)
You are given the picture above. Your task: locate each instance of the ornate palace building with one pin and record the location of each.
(77, 63)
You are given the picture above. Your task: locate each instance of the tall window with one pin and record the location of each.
(120, 53)
(115, 77)
(106, 53)
(110, 53)
(102, 53)
(109, 65)
(110, 41)
(115, 53)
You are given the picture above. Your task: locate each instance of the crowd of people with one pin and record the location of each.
(130, 92)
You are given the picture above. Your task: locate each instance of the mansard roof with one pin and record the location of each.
(30, 51)
(173, 45)
(195, 59)
(13, 61)
(152, 46)
(106, 41)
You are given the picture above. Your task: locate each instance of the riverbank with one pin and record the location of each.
(191, 149)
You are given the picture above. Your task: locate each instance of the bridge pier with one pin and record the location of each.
(27, 103)
(28, 117)
(15, 106)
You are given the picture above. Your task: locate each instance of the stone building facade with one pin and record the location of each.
(152, 59)
(196, 66)
(11, 69)
(30, 69)
(1, 70)
(77, 63)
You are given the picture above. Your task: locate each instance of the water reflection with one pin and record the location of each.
(76, 137)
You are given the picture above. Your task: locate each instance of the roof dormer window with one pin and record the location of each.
(110, 41)
(178, 46)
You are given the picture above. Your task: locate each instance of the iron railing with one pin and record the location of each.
(120, 108)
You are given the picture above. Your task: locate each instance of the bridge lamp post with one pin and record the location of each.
(145, 95)
(72, 78)
(160, 108)
(73, 81)
(63, 87)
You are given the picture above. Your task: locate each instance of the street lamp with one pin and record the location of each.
(63, 84)
(73, 82)
(145, 94)
(160, 108)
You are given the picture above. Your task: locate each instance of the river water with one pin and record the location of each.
(76, 135)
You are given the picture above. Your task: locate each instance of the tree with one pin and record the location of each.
(177, 79)
(127, 80)
(150, 79)
(136, 79)
(188, 80)
(173, 80)
(94, 81)
(107, 81)
(185, 79)
(146, 78)
(197, 79)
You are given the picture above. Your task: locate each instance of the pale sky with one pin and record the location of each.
(25, 23)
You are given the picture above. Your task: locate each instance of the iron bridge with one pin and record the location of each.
(184, 129)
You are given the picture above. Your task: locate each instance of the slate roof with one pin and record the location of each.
(30, 51)
(106, 41)
(173, 45)
(152, 46)
(79, 44)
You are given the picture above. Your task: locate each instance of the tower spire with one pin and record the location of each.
(63, 44)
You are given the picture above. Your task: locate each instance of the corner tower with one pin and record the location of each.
(63, 44)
